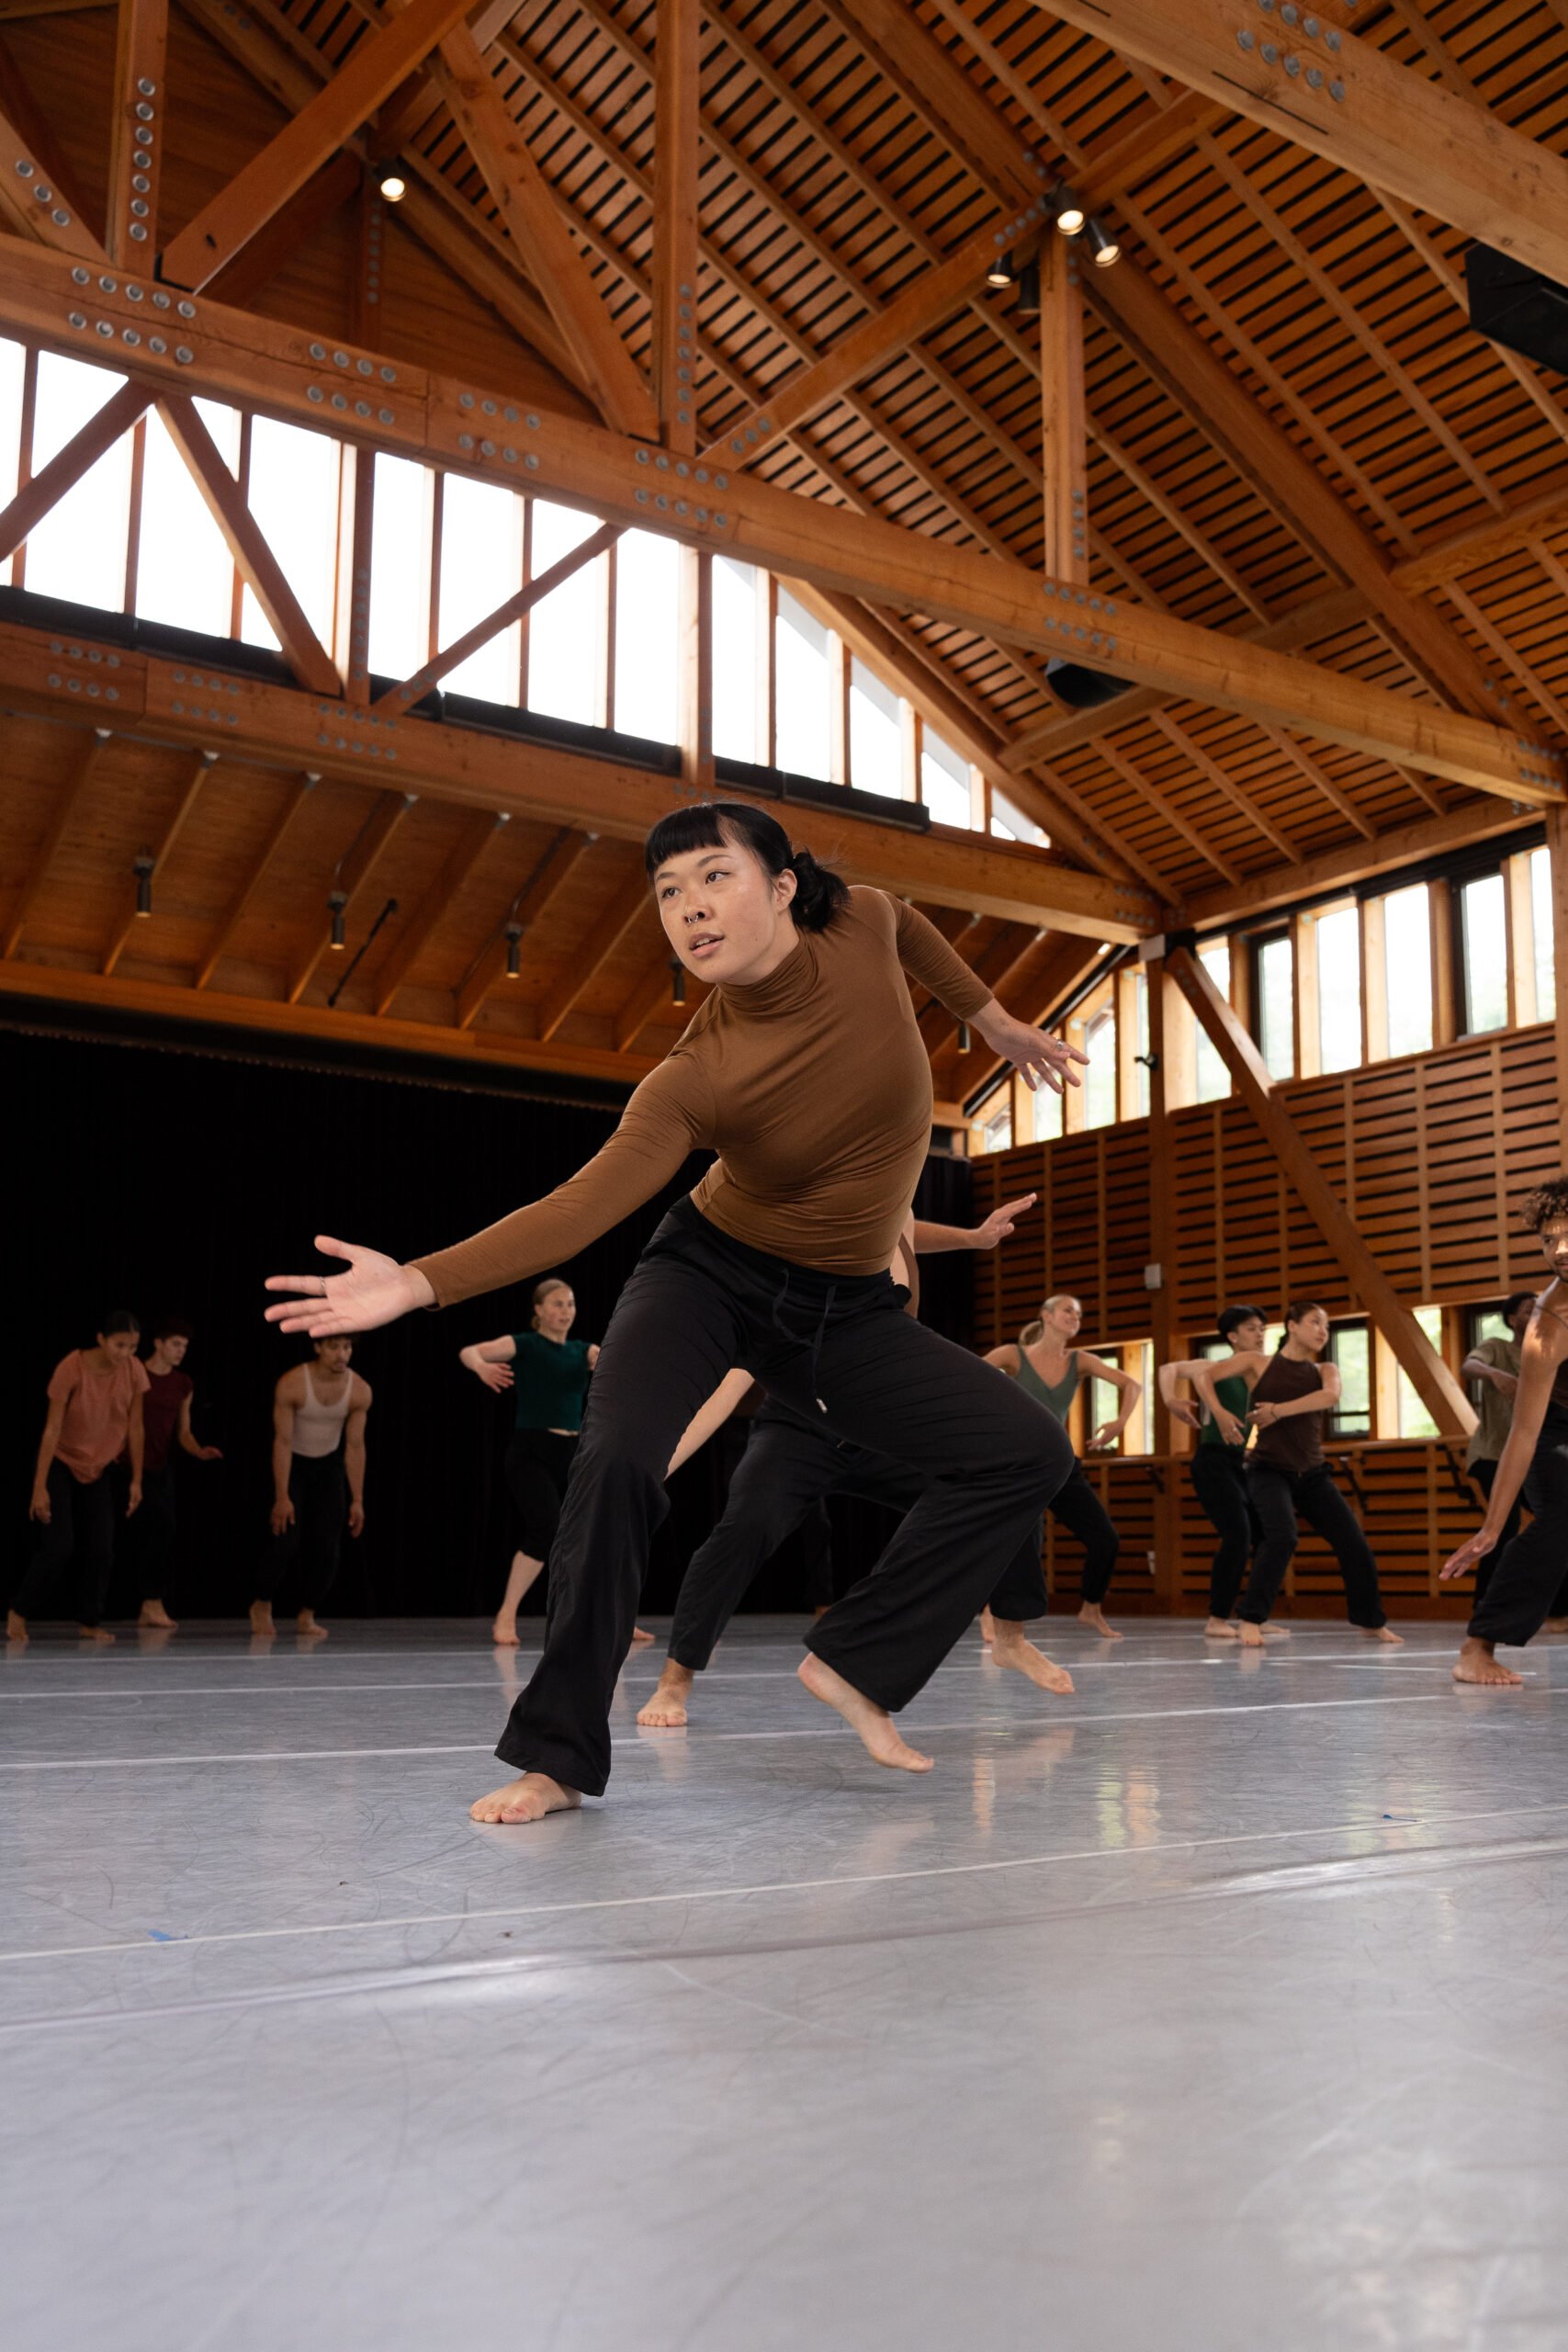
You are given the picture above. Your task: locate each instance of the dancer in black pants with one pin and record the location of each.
(805, 1069)
(95, 1416)
(1218, 1471)
(165, 1416)
(319, 1412)
(1287, 1477)
(1534, 1460)
(1494, 1365)
(792, 1462)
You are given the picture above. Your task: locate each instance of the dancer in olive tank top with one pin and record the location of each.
(1048, 1366)
(1218, 1470)
(1286, 1473)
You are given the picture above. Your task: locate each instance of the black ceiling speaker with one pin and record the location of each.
(1516, 306)
(1079, 688)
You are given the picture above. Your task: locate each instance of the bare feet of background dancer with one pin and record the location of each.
(1534, 1462)
(777, 1262)
(1048, 1366)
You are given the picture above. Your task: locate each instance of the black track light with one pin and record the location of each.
(677, 982)
(338, 902)
(1000, 273)
(1106, 249)
(1027, 303)
(142, 869)
(392, 181)
(963, 1036)
(1070, 214)
(514, 951)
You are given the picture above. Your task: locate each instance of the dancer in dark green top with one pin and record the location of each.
(1218, 1469)
(547, 1371)
(1048, 1366)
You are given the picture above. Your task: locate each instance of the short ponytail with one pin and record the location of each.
(713, 824)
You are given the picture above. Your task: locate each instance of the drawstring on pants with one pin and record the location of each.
(780, 1302)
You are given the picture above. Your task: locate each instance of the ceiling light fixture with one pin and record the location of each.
(1000, 271)
(677, 982)
(1027, 303)
(1106, 249)
(142, 869)
(392, 181)
(514, 951)
(338, 902)
(1070, 214)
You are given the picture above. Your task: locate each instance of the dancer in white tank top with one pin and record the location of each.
(318, 1475)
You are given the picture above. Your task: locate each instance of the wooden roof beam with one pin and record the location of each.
(378, 63)
(654, 990)
(353, 869)
(533, 222)
(677, 118)
(239, 904)
(1390, 853)
(550, 875)
(1437, 1386)
(264, 576)
(432, 908)
(195, 777)
(68, 800)
(140, 104)
(1358, 108)
(38, 192)
(632, 903)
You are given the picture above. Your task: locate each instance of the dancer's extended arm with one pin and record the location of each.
(1321, 1399)
(190, 1443)
(930, 1240)
(54, 1421)
(1203, 1371)
(1095, 1368)
(285, 1397)
(927, 957)
(354, 1454)
(491, 1361)
(135, 1449)
(726, 1399)
(1177, 1407)
(1545, 1348)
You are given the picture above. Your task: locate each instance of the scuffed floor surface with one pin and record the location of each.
(1221, 2005)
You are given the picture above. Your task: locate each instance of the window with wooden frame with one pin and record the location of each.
(1398, 1410)
(1481, 953)
(1397, 958)
(1532, 958)
(1350, 1348)
(1103, 1398)
(742, 661)
(1274, 1002)
(947, 783)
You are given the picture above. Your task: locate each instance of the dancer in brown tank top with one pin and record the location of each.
(1287, 1476)
(806, 1072)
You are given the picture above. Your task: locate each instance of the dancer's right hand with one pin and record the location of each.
(1470, 1553)
(374, 1290)
(282, 1518)
(1180, 1412)
(494, 1375)
(39, 1508)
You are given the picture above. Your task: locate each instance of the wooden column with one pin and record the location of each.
(1429, 1375)
(677, 100)
(1557, 842)
(136, 138)
(1063, 415)
(1164, 1243)
(696, 670)
(355, 528)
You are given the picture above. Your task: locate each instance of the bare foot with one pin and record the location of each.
(154, 1614)
(1092, 1615)
(16, 1626)
(1220, 1629)
(261, 1617)
(504, 1633)
(879, 1734)
(988, 1628)
(1250, 1636)
(306, 1623)
(99, 1634)
(1012, 1647)
(639, 1637)
(1476, 1663)
(1381, 1634)
(666, 1711)
(528, 1799)
(1555, 1626)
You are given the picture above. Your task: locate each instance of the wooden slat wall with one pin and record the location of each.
(1432, 1154)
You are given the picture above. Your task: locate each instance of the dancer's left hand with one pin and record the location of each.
(1000, 1222)
(356, 1518)
(1470, 1553)
(1039, 1058)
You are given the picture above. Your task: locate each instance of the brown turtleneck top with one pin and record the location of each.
(814, 1088)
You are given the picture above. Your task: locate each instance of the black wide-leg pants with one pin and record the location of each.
(790, 1468)
(79, 1536)
(1219, 1481)
(1277, 1496)
(1524, 1585)
(699, 1305)
(304, 1558)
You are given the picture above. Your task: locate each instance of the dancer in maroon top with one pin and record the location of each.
(165, 1421)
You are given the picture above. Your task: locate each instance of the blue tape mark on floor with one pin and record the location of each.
(157, 1936)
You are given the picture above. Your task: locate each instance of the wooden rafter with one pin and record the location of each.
(1063, 422)
(1341, 97)
(263, 575)
(195, 777)
(136, 137)
(38, 192)
(1436, 1385)
(549, 877)
(1393, 852)
(655, 988)
(239, 904)
(528, 206)
(67, 802)
(427, 918)
(354, 870)
(379, 62)
(677, 108)
(632, 902)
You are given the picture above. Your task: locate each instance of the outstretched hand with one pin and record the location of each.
(1000, 1222)
(374, 1290)
(1468, 1556)
(1181, 1411)
(1039, 1058)
(494, 1375)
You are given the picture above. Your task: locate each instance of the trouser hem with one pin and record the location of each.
(557, 1763)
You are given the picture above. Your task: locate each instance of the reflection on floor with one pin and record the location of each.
(1220, 2004)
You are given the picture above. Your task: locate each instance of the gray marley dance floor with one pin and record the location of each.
(1220, 2004)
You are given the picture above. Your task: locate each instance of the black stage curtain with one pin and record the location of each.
(174, 1173)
